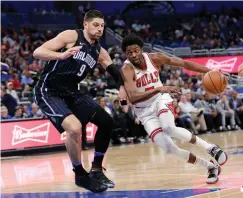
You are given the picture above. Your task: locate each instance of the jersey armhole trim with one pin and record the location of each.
(157, 69)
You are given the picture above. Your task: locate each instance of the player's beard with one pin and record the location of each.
(96, 37)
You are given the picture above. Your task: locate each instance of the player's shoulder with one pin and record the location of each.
(69, 36)
(153, 54)
(158, 57)
(127, 67)
(69, 32)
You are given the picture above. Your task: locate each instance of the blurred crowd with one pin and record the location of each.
(195, 109)
(202, 31)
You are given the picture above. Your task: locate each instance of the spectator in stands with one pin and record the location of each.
(100, 87)
(119, 117)
(184, 120)
(7, 39)
(8, 101)
(191, 97)
(134, 125)
(200, 90)
(26, 91)
(185, 42)
(26, 79)
(136, 26)
(185, 89)
(34, 66)
(96, 75)
(15, 81)
(35, 112)
(119, 22)
(18, 113)
(196, 114)
(116, 49)
(211, 102)
(26, 111)
(236, 104)
(102, 103)
(171, 81)
(117, 60)
(226, 112)
(26, 48)
(12, 92)
(23, 64)
(115, 135)
(4, 113)
(209, 114)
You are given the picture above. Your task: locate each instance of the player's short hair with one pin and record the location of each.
(93, 14)
(131, 39)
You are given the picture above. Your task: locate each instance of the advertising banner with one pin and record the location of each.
(228, 64)
(35, 133)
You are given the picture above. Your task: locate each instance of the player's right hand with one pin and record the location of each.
(170, 89)
(70, 52)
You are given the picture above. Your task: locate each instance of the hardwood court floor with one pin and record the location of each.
(140, 170)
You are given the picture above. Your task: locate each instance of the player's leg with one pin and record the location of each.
(102, 138)
(87, 110)
(166, 118)
(153, 127)
(63, 119)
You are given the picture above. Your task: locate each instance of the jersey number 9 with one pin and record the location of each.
(82, 69)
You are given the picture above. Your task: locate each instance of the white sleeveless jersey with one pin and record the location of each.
(147, 80)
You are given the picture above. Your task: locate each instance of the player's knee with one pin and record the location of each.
(169, 129)
(73, 127)
(75, 135)
(74, 131)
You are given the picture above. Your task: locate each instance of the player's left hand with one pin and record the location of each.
(122, 95)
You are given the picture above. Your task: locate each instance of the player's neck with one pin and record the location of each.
(88, 38)
(143, 65)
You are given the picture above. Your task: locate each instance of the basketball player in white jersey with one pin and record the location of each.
(153, 104)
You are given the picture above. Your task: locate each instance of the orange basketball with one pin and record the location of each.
(214, 82)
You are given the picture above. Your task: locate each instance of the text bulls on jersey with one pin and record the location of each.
(147, 79)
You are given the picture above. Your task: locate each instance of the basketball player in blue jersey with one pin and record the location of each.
(153, 104)
(71, 55)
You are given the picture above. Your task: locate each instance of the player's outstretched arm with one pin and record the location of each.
(106, 62)
(65, 39)
(159, 59)
(130, 86)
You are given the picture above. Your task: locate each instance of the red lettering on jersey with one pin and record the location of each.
(148, 81)
(149, 88)
(138, 81)
(144, 83)
(154, 77)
